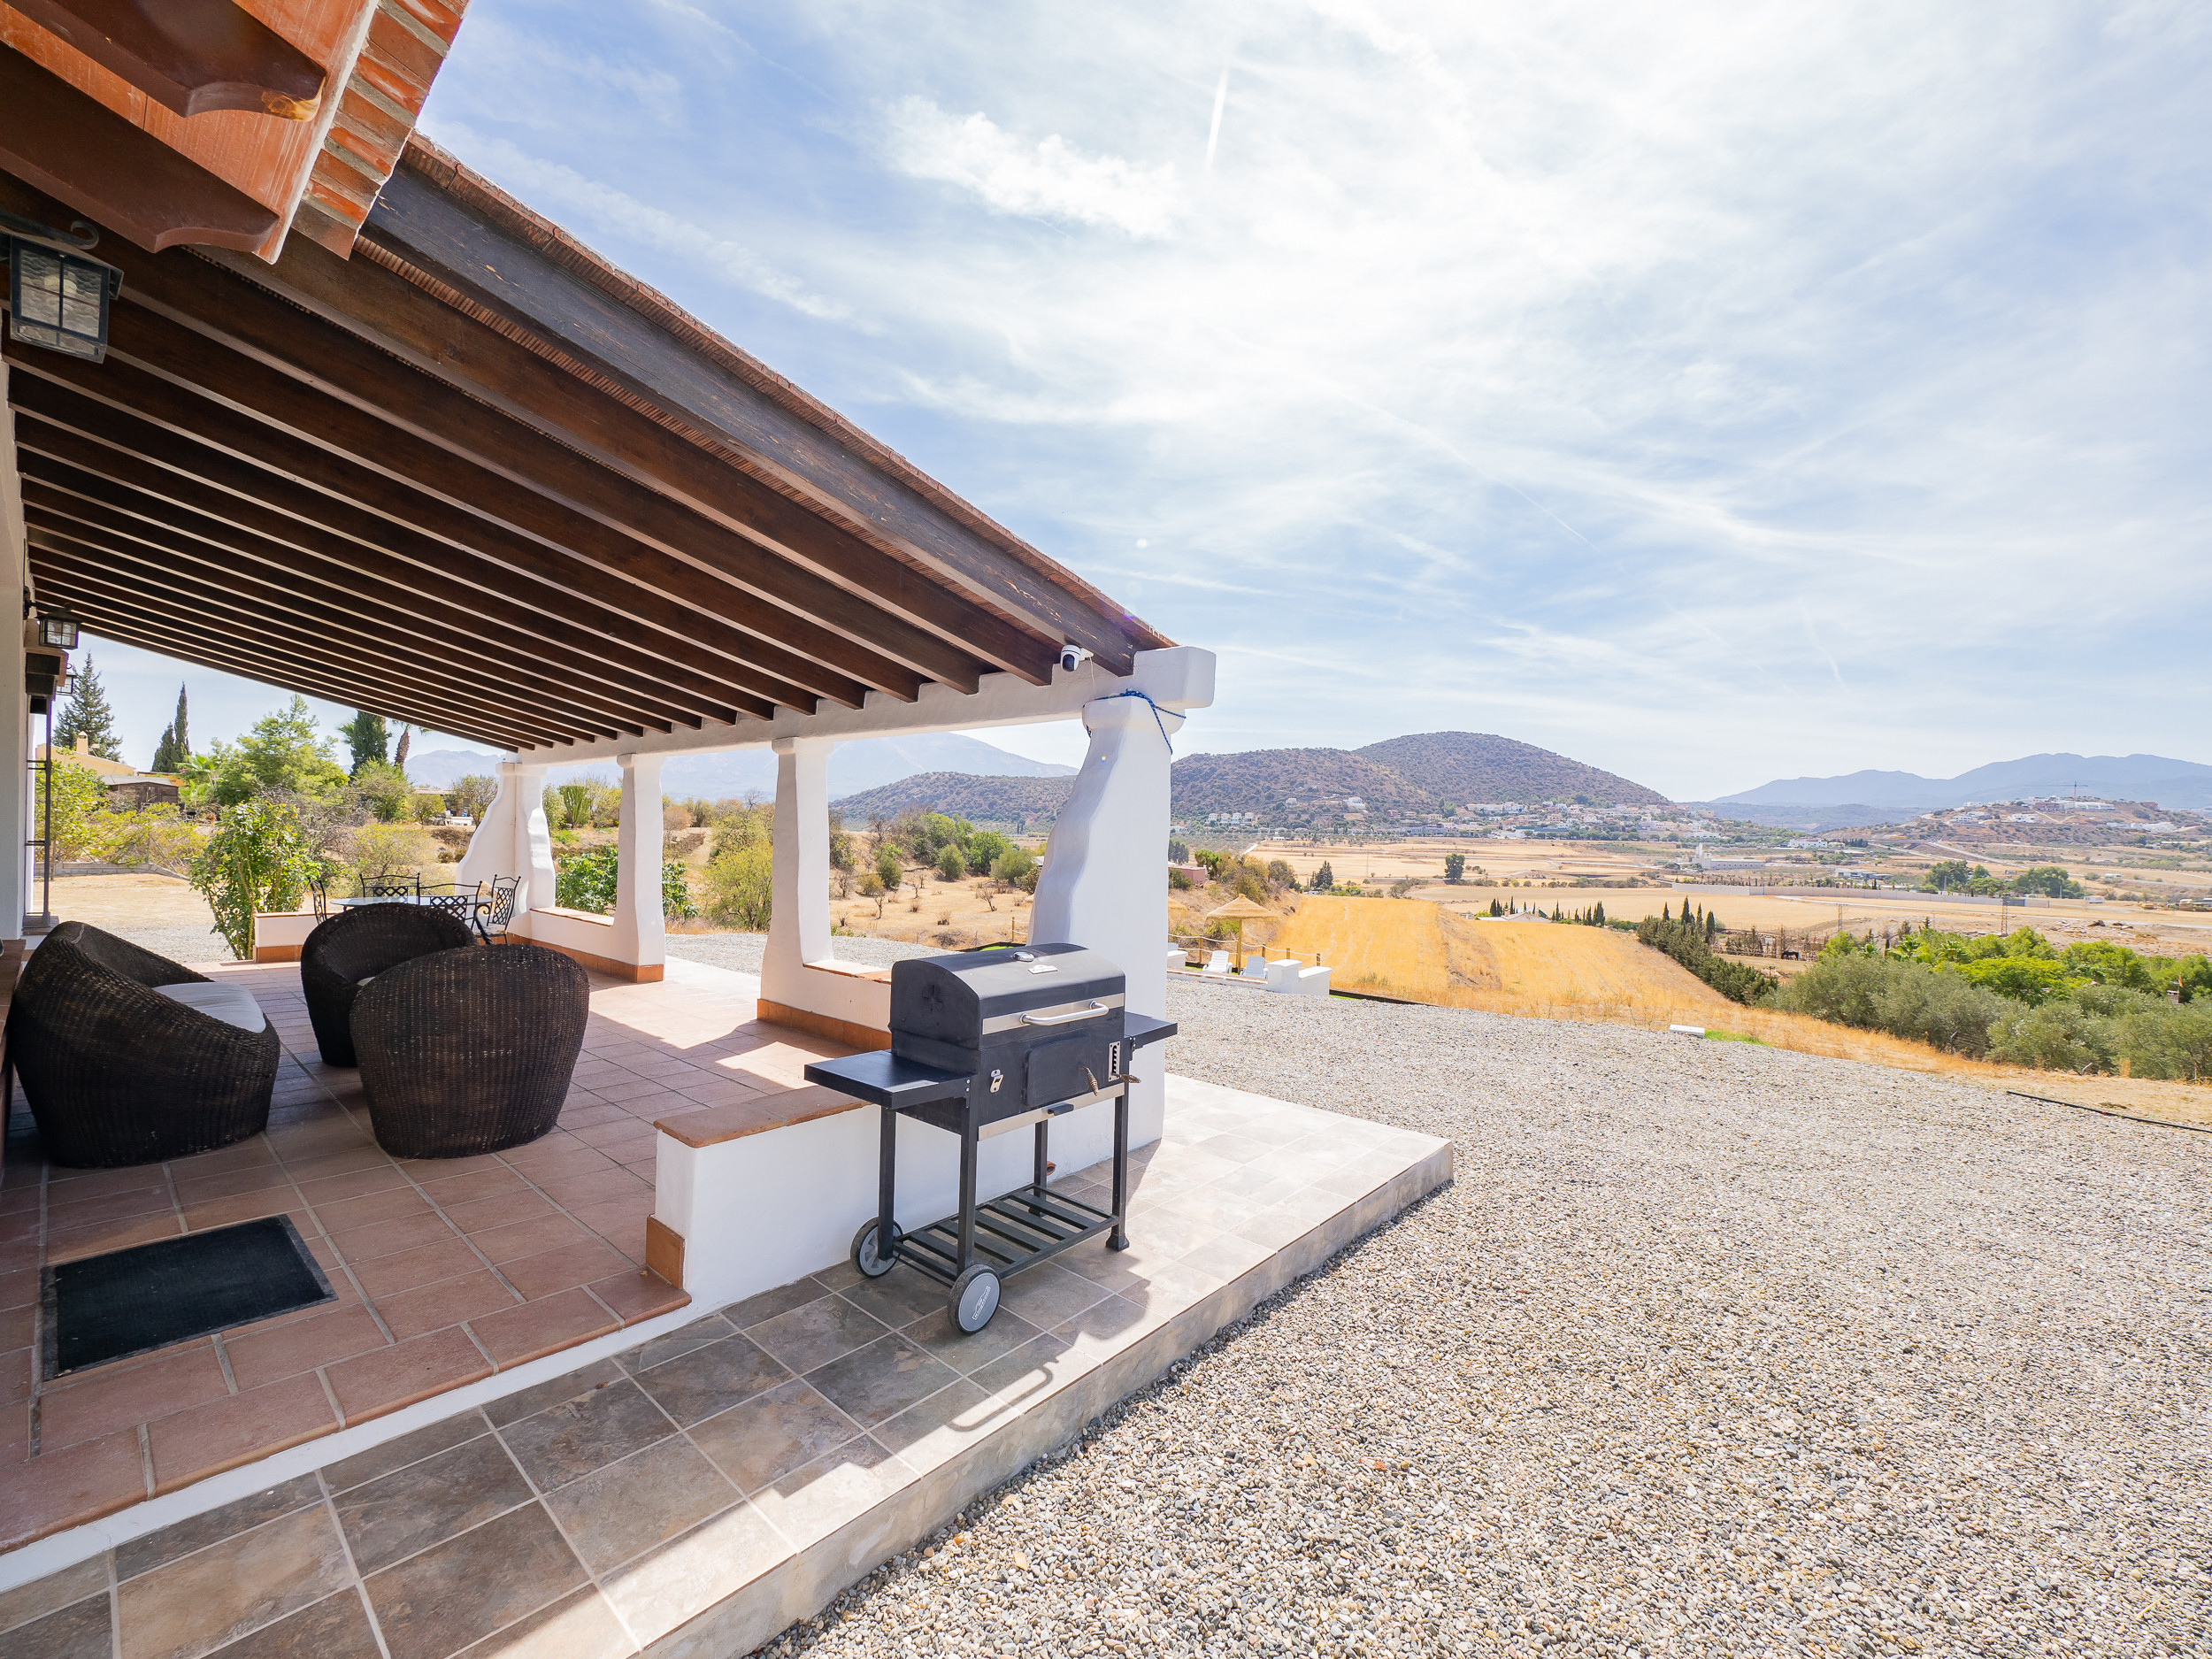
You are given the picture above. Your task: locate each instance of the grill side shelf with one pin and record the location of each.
(1140, 1029)
(883, 1079)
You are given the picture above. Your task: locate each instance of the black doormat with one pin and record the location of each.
(132, 1302)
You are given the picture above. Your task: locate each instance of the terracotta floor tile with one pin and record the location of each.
(344, 1215)
(326, 1165)
(373, 1178)
(63, 1488)
(115, 1235)
(193, 1605)
(576, 1114)
(265, 1356)
(416, 1312)
(224, 1432)
(359, 1245)
(560, 1163)
(548, 1231)
(69, 1187)
(561, 1268)
(411, 1270)
(101, 1404)
(621, 1222)
(385, 1379)
(437, 1602)
(504, 1211)
(19, 1289)
(543, 1327)
(94, 1212)
(228, 1212)
(638, 1295)
(16, 1368)
(431, 1170)
(574, 1192)
(463, 1189)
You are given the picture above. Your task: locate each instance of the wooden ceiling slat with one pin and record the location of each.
(353, 626)
(798, 649)
(162, 634)
(199, 295)
(81, 565)
(709, 645)
(203, 55)
(398, 316)
(213, 492)
(468, 631)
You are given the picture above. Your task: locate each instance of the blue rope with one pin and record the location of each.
(1156, 718)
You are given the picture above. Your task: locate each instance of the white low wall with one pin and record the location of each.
(762, 1210)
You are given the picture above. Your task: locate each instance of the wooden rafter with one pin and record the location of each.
(189, 56)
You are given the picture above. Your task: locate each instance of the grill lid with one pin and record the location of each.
(962, 999)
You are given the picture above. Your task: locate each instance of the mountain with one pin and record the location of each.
(1473, 767)
(865, 764)
(1025, 803)
(1291, 786)
(2125, 778)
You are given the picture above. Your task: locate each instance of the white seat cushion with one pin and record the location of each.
(232, 1003)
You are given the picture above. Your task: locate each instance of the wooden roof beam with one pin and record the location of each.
(402, 317)
(522, 617)
(437, 648)
(189, 56)
(619, 609)
(113, 172)
(135, 627)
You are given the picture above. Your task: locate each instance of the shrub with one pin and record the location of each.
(739, 886)
(575, 805)
(378, 849)
(1685, 942)
(1280, 874)
(952, 864)
(2059, 1036)
(472, 795)
(1017, 865)
(890, 870)
(382, 790)
(586, 881)
(1177, 881)
(155, 836)
(79, 795)
(257, 859)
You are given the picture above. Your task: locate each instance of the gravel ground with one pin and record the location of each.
(178, 944)
(740, 952)
(1709, 1349)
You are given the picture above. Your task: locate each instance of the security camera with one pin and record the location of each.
(1072, 657)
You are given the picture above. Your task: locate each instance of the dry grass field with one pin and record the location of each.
(1432, 953)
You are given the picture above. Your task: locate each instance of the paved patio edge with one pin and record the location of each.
(806, 1582)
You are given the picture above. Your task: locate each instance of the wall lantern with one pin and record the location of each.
(57, 628)
(56, 297)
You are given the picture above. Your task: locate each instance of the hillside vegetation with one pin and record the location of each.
(1477, 766)
(1023, 802)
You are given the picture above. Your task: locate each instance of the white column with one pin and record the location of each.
(799, 922)
(640, 936)
(1104, 885)
(512, 840)
(15, 740)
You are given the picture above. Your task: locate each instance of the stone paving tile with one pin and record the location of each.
(600, 1510)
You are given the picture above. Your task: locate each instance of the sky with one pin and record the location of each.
(1710, 392)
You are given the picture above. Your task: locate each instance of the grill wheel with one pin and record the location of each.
(975, 1299)
(872, 1262)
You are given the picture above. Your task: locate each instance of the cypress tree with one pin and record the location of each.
(365, 736)
(174, 751)
(1597, 917)
(399, 754)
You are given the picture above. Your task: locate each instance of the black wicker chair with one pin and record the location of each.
(117, 1073)
(469, 1051)
(360, 944)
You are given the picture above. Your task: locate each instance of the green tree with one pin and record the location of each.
(890, 870)
(575, 805)
(258, 858)
(1325, 877)
(472, 795)
(952, 864)
(86, 715)
(1015, 865)
(367, 738)
(383, 789)
(78, 794)
(1178, 852)
(399, 754)
(2052, 880)
(1454, 867)
(740, 883)
(1496, 908)
(283, 751)
(174, 753)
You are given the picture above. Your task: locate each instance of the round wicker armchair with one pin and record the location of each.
(469, 1051)
(117, 1073)
(358, 945)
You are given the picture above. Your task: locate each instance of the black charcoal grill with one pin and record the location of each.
(983, 1043)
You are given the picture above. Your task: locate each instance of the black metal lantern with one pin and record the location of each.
(56, 297)
(57, 628)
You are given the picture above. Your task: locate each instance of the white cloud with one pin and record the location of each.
(1046, 179)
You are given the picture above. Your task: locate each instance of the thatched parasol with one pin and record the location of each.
(1240, 911)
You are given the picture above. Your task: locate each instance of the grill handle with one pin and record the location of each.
(1092, 1013)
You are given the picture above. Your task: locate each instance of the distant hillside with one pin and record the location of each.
(1291, 786)
(1024, 802)
(2180, 783)
(863, 763)
(1465, 767)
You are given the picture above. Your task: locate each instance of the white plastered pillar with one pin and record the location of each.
(1104, 885)
(799, 921)
(15, 716)
(640, 932)
(512, 838)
